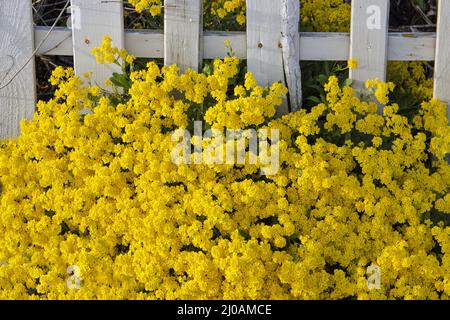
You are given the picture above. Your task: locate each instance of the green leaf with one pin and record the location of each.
(120, 80)
(314, 99)
(208, 69)
(315, 86)
(322, 79)
(348, 82)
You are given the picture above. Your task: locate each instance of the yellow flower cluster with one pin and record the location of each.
(411, 78)
(154, 6)
(98, 192)
(352, 63)
(253, 105)
(382, 89)
(325, 15)
(222, 8)
(108, 54)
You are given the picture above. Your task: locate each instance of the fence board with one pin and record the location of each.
(91, 21)
(17, 99)
(290, 41)
(316, 46)
(183, 30)
(264, 52)
(442, 63)
(369, 40)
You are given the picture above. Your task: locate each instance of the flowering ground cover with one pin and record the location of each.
(94, 206)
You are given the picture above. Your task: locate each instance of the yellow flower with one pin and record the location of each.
(95, 91)
(155, 10)
(352, 63)
(377, 141)
(130, 59)
(382, 89)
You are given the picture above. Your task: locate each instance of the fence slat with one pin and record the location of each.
(369, 40)
(183, 30)
(17, 99)
(442, 62)
(264, 52)
(290, 40)
(91, 21)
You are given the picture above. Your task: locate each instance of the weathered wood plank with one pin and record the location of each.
(17, 97)
(316, 46)
(214, 46)
(91, 21)
(264, 48)
(442, 63)
(369, 40)
(411, 46)
(183, 29)
(290, 41)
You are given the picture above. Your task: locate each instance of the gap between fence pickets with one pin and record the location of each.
(91, 21)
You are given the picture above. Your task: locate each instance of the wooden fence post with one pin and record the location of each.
(18, 94)
(442, 60)
(368, 40)
(183, 31)
(91, 21)
(273, 46)
(290, 41)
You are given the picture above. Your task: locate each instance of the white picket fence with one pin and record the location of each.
(272, 45)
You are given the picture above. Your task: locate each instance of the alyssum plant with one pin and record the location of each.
(98, 192)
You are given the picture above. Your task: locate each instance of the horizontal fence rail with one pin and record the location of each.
(272, 45)
(315, 46)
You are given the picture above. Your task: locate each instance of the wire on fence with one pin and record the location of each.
(35, 50)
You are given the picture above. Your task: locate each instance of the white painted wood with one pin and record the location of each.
(411, 46)
(183, 30)
(91, 21)
(214, 46)
(148, 43)
(17, 99)
(316, 46)
(290, 41)
(442, 63)
(59, 42)
(264, 48)
(369, 40)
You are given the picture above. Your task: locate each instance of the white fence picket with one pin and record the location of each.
(265, 27)
(442, 62)
(91, 21)
(17, 90)
(290, 41)
(369, 40)
(183, 29)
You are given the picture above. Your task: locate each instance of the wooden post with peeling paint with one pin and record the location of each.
(273, 53)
